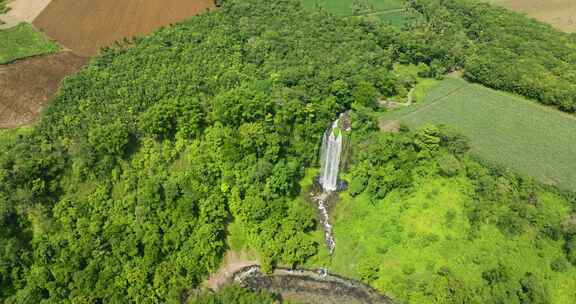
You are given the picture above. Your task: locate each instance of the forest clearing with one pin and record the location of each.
(559, 13)
(99, 24)
(504, 129)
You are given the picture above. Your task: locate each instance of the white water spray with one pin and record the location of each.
(330, 160)
(330, 157)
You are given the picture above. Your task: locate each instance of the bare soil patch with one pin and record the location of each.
(559, 13)
(84, 26)
(390, 126)
(23, 11)
(26, 86)
(233, 262)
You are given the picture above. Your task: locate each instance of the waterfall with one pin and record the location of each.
(330, 164)
(330, 157)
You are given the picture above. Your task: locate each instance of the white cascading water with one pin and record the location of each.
(330, 160)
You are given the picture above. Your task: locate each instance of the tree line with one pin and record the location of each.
(494, 46)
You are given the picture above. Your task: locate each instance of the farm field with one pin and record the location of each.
(387, 10)
(345, 7)
(29, 84)
(97, 24)
(23, 41)
(504, 129)
(559, 13)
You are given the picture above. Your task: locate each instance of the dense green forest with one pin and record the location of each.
(124, 190)
(495, 47)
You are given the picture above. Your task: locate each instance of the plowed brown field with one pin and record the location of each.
(84, 26)
(26, 86)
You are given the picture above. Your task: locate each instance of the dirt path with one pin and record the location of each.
(23, 11)
(26, 86)
(233, 262)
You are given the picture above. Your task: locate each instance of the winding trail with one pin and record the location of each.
(234, 261)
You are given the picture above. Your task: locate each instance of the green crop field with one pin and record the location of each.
(504, 129)
(387, 10)
(346, 7)
(23, 41)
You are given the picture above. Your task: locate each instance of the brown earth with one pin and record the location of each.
(26, 86)
(84, 26)
(559, 13)
(389, 126)
(233, 262)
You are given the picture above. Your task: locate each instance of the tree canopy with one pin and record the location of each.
(124, 190)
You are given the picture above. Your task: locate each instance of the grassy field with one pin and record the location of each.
(531, 139)
(346, 7)
(23, 41)
(387, 10)
(409, 236)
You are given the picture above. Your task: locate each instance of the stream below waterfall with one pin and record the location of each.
(330, 158)
(310, 287)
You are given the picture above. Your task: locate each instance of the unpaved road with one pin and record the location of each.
(26, 86)
(233, 262)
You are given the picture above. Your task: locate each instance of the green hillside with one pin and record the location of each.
(424, 223)
(167, 151)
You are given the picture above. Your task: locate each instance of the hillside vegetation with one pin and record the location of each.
(124, 190)
(496, 47)
(424, 222)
